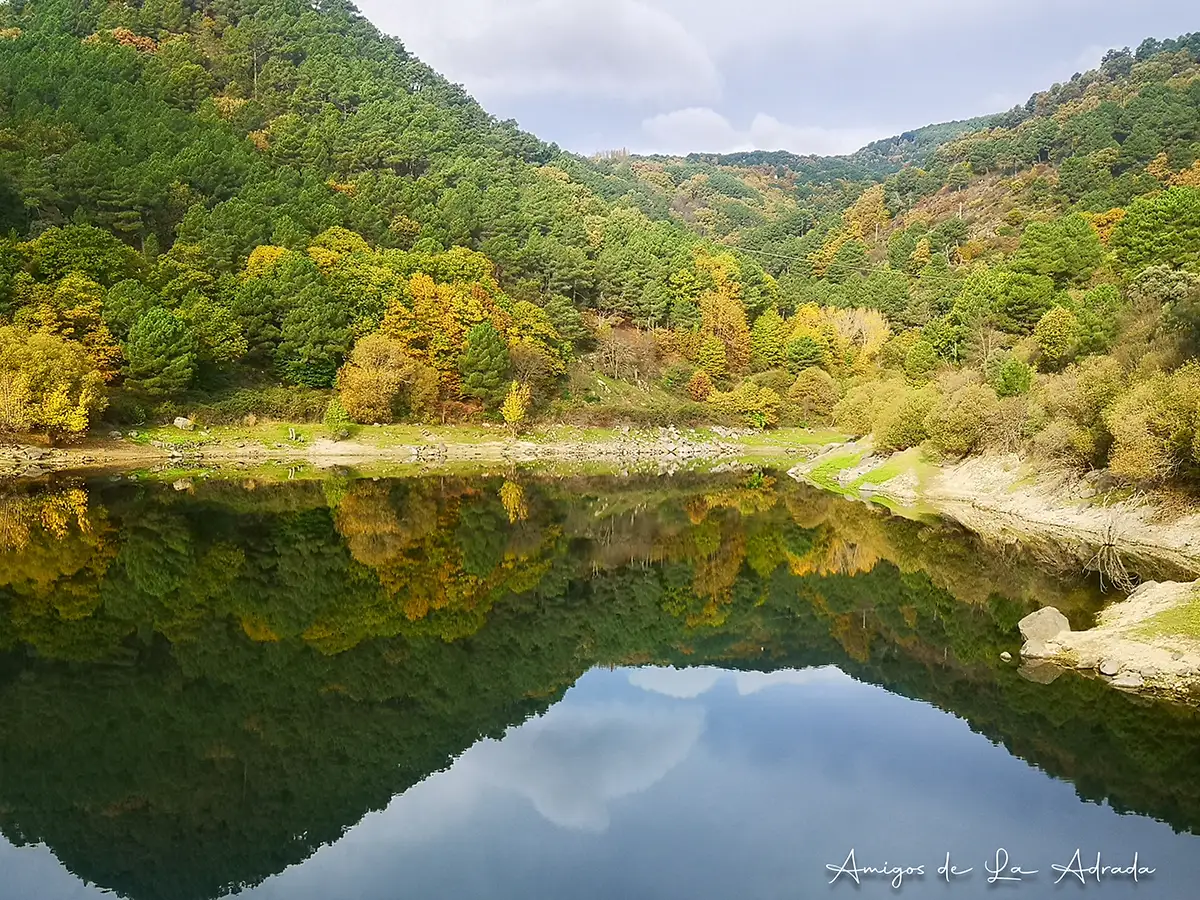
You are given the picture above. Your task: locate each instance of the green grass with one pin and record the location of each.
(827, 472)
(900, 464)
(1180, 621)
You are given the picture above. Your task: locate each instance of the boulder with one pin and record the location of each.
(185, 424)
(1110, 668)
(1036, 650)
(1045, 624)
(1039, 672)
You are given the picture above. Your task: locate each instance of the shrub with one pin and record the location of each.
(675, 377)
(757, 406)
(700, 386)
(1154, 425)
(855, 412)
(1057, 336)
(900, 425)
(381, 378)
(778, 380)
(959, 422)
(337, 420)
(1009, 377)
(46, 384)
(813, 396)
(921, 362)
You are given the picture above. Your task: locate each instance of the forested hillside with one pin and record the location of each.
(230, 207)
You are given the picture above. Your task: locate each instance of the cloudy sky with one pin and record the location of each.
(811, 76)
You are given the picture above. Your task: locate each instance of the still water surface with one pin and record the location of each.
(528, 687)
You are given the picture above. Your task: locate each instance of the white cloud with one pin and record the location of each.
(704, 130)
(686, 684)
(821, 26)
(570, 763)
(753, 682)
(621, 49)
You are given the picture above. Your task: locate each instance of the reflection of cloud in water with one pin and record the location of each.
(573, 761)
(687, 683)
(682, 683)
(570, 763)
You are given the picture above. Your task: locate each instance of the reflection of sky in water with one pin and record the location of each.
(709, 784)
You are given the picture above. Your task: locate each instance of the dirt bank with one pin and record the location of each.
(1088, 518)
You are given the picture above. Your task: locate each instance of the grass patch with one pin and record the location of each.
(900, 464)
(1180, 621)
(827, 472)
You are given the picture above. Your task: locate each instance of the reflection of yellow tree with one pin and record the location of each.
(512, 495)
(54, 549)
(408, 539)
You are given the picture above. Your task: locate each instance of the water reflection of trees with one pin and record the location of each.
(200, 688)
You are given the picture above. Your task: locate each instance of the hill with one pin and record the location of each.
(269, 208)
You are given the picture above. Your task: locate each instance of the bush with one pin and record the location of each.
(900, 425)
(778, 380)
(1009, 377)
(1057, 336)
(700, 386)
(757, 406)
(959, 422)
(675, 377)
(337, 420)
(813, 396)
(855, 413)
(46, 384)
(921, 362)
(1154, 426)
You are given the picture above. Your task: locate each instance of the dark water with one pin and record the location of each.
(535, 687)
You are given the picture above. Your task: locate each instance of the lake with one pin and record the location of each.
(531, 685)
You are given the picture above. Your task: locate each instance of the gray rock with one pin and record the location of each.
(1006, 656)
(185, 424)
(33, 472)
(1110, 667)
(1129, 681)
(1035, 650)
(183, 484)
(1043, 625)
(115, 435)
(34, 453)
(1039, 672)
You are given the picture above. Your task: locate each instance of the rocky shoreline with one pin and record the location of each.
(665, 449)
(1138, 644)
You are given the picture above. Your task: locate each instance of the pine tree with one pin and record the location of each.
(485, 364)
(161, 353)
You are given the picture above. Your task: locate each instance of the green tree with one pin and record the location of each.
(1162, 229)
(1066, 249)
(161, 353)
(1057, 336)
(485, 365)
(767, 339)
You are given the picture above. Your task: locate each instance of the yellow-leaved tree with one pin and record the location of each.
(47, 383)
(516, 406)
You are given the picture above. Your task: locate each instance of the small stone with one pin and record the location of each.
(183, 484)
(115, 435)
(33, 472)
(185, 424)
(1006, 656)
(1043, 625)
(1110, 668)
(1129, 681)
